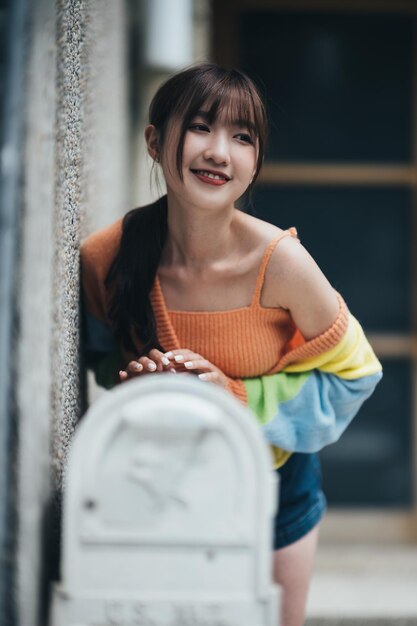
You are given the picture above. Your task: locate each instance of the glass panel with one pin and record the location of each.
(361, 239)
(372, 463)
(339, 85)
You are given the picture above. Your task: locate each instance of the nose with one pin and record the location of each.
(217, 149)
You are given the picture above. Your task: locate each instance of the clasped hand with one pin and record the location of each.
(180, 361)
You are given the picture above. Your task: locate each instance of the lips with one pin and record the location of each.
(211, 177)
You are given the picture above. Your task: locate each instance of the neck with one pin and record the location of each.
(197, 237)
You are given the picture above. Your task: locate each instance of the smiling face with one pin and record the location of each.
(218, 161)
(208, 129)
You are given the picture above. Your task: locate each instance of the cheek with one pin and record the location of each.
(247, 164)
(193, 146)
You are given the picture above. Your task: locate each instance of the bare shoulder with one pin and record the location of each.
(291, 270)
(293, 281)
(258, 232)
(289, 256)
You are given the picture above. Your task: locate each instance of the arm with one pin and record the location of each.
(310, 403)
(101, 352)
(105, 359)
(302, 409)
(294, 281)
(327, 372)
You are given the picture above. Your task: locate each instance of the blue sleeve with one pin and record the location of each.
(319, 412)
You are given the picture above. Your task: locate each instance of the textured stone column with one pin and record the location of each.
(106, 115)
(71, 85)
(73, 169)
(91, 176)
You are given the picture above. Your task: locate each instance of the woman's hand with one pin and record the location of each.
(185, 360)
(155, 361)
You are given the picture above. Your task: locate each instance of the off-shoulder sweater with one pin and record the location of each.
(294, 386)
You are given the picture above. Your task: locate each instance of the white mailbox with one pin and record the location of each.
(167, 511)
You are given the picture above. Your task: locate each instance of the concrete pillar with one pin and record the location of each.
(107, 117)
(73, 180)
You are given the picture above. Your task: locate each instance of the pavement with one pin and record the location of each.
(359, 584)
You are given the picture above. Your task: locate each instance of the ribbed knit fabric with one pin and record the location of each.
(243, 342)
(246, 342)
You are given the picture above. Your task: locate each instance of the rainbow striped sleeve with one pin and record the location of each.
(309, 404)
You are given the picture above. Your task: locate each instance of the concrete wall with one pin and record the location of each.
(73, 180)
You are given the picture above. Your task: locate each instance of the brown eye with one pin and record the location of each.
(244, 137)
(202, 127)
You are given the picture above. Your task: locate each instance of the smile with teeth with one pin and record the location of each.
(218, 178)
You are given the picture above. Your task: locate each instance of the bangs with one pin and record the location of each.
(229, 98)
(234, 106)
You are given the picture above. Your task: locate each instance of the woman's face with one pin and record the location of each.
(219, 161)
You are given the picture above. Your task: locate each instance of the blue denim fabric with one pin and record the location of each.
(302, 502)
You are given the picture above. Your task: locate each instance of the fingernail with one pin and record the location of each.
(151, 367)
(178, 358)
(121, 373)
(164, 360)
(137, 366)
(169, 354)
(172, 370)
(188, 364)
(203, 376)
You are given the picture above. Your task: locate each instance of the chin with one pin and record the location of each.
(213, 204)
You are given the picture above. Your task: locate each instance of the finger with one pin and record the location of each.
(148, 364)
(217, 378)
(134, 368)
(123, 375)
(179, 356)
(209, 377)
(202, 365)
(159, 359)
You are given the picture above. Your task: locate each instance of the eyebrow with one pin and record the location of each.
(243, 123)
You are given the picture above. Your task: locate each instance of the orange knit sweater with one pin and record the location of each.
(246, 342)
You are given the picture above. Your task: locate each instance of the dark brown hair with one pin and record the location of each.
(229, 93)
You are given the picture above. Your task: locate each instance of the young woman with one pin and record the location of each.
(190, 283)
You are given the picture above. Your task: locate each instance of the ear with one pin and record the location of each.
(152, 142)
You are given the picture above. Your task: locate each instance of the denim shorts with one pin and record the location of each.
(302, 503)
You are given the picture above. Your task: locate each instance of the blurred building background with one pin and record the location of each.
(75, 80)
(340, 79)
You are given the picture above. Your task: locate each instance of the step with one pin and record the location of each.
(361, 584)
(361, 621)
